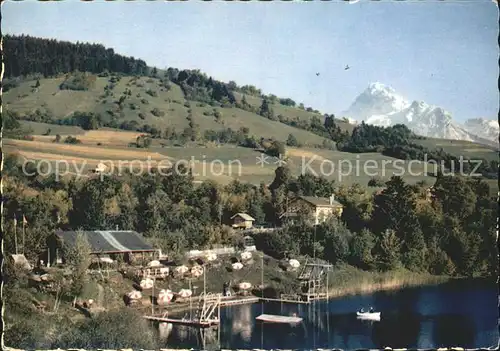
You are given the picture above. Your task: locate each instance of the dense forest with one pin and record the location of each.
(25, 55)
(451, 233)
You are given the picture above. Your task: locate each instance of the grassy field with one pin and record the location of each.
(467, 149)
(221, 163)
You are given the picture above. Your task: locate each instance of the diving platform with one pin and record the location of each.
(271, 318)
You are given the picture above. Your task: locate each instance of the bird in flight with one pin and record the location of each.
(317, 74)
(346, 67)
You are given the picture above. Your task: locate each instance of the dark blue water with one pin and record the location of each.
(459, 313)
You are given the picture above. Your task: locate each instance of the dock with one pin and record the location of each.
(231, 301)
(271, 318)
(294, 301)
(186, 322)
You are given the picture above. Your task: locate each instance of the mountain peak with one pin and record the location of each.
(379, 104)
(377, 99)
(377, 87)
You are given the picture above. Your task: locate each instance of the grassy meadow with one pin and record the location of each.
(464, 148)
(220, 163)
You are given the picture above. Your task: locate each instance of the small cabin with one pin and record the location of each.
(242, 221)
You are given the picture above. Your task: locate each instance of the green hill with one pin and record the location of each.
(144, 97)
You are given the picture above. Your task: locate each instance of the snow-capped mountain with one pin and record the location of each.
(483, 128)
(381, 105)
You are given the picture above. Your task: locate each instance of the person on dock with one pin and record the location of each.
(372, 310)
(225, 289)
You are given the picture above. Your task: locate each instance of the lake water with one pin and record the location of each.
(460, 313)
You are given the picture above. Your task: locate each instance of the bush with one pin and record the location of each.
(376, 182)
(276, 244)
(142, 116)
(72, 140)
(151, 93)
(144, 101)
(218, 115)
(157, 112)
(292, 140)
(110, 330)
(78, 81)
(276, 149)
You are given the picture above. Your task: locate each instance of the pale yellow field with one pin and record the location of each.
(30, 155)
(68, 150)
(105, 137)
(291, 152)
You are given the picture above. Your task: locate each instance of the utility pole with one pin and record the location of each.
(153, 297)
(204, 279)
(15, 232)
(24, 226)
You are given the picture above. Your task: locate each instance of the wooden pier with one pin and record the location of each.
(239, 301)
(186, 322)
(265, 299)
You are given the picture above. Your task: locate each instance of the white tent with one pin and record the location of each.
(237, 266)
(185, 293)
(244, 285)
(294, 263)
(246, 255)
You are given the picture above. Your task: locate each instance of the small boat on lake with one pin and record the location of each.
(368, 315)
(371, 314)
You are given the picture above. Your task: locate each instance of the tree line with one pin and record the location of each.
(450, 232)
(26, 55)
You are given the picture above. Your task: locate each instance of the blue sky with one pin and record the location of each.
(444, 53)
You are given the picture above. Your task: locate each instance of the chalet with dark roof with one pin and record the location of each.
(103, 243)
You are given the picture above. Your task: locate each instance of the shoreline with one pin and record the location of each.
(362, 282)
(371, 282)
